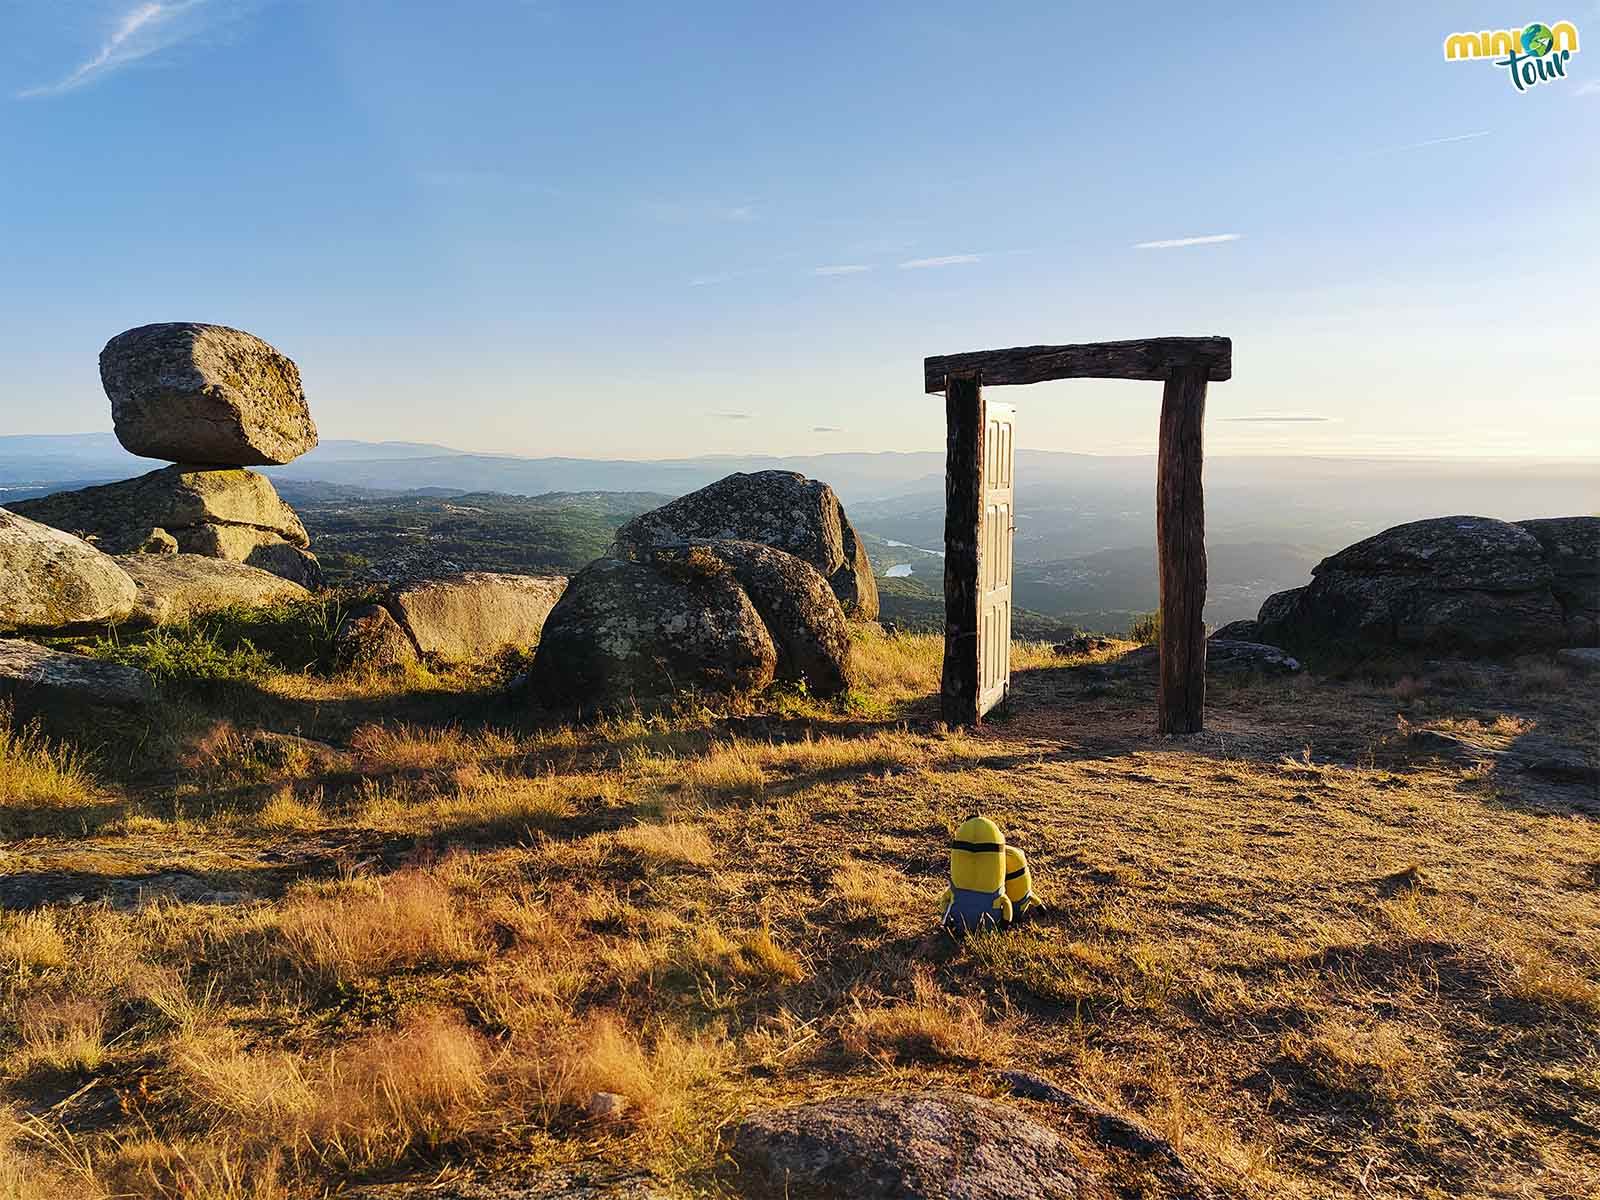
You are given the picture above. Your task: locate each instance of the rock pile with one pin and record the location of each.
(212, 401)
(776, 508)
(747, 581)
(717, 618)
(1449, 583)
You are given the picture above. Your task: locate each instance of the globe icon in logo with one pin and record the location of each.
(1537, 39)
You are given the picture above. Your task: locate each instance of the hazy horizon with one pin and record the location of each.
(327, 444)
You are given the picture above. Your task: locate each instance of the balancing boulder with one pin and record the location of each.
(205, 394)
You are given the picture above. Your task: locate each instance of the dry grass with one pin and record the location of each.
(749, 956)
(355, 930)
(61, 1032)
(931, 1024)
(658, 1075)
(895, 669)
(422, 1085)
(26, 1172)
(31, 942)
(472, 800)
(728, 771)
(875, 890)
(45, 786)
(287, 812)
(668, 844)
(403, 747)
(1370, 1062)
(1321, 963)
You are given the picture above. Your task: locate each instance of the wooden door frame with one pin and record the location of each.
(1184, 366)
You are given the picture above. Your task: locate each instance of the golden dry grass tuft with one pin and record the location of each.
(405, 747)
(728, 771)
(657, 1074)
(31, 942)
(668, 844)
(45, 785)
(930, 1024)
(422, 1085)
(876, 890)
(348, 931)
(1367, 1062)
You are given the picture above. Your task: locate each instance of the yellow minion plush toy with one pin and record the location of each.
(1019, 883)
(976, 898)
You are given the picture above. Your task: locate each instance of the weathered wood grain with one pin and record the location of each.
(963, 540)
(1144, 358)
(1181, 552)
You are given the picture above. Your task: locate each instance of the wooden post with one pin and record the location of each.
(963, 539)
(1181, 551)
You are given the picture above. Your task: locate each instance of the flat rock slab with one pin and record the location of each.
(36, 676)
(1224, 656)
(50, 579)
(563, 1183)
(930, 1145)
(179, 587)
(188, 392)
(472, 616)
(21, 891)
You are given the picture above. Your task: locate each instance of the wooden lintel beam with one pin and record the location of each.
(1145, 358)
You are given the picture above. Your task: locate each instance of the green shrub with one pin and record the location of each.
(184, 652)
(238, 643)
(1146, 628)
(295, 635)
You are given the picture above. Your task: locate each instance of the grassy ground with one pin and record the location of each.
(301, 931)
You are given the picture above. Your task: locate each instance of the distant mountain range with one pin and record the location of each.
(38, 459)
(1085, 523)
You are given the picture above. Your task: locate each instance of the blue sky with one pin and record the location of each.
(641, 230)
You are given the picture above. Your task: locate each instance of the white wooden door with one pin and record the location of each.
(994, 585)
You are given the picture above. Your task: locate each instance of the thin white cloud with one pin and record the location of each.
(1271, 419)
(842, 269)
(1592, 88)
(1438, 141)
(947, 260)
(733, 416)
(142, 31)
(1210, 239)
(826, 429)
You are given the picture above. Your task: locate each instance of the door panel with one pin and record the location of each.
(999, 524)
